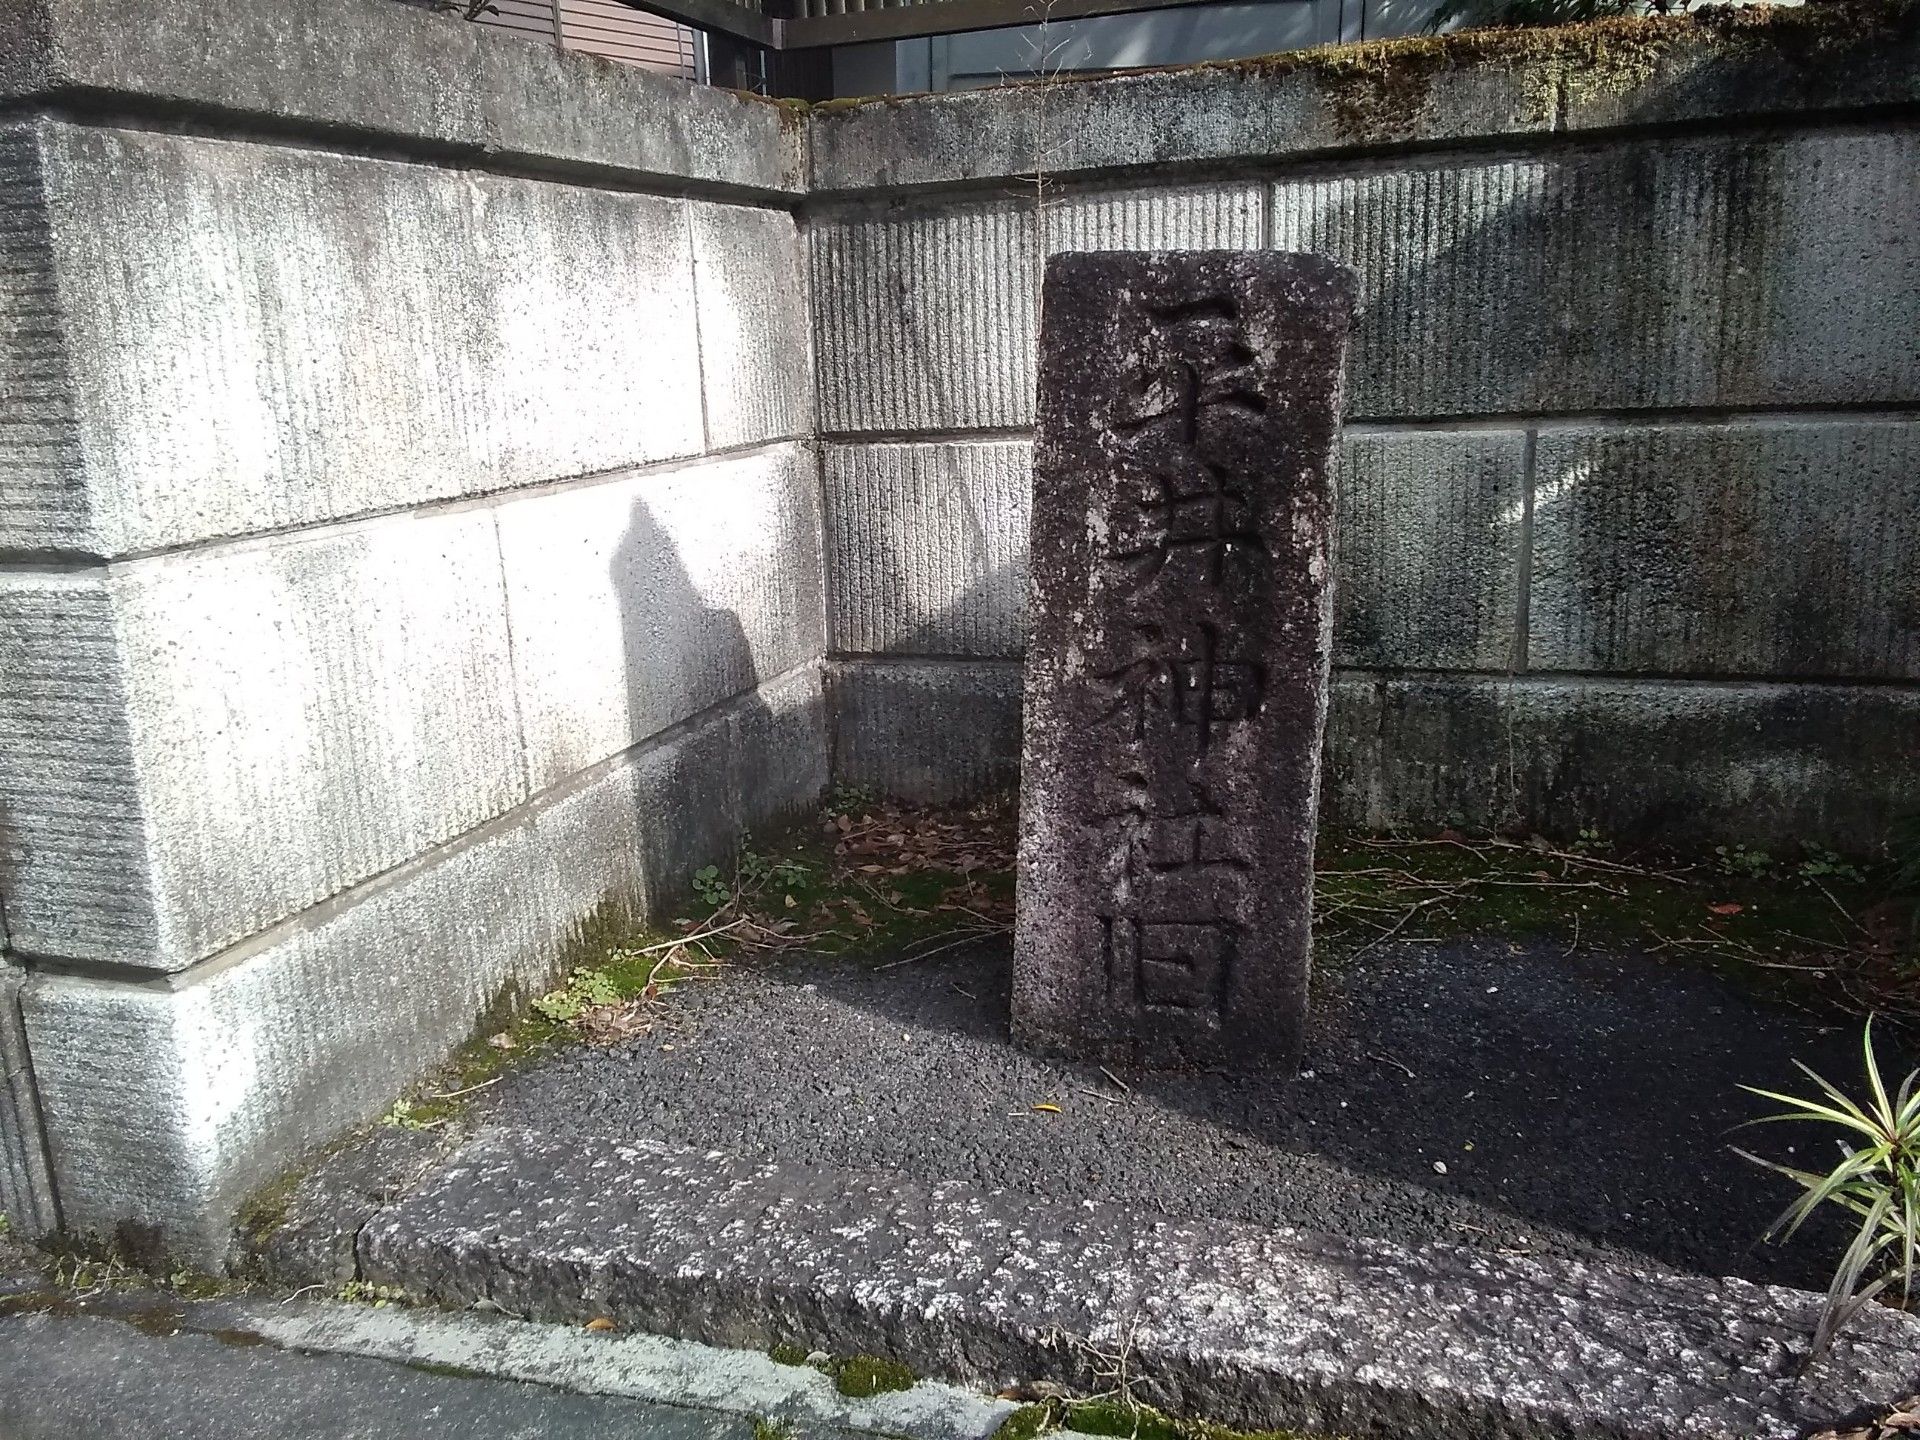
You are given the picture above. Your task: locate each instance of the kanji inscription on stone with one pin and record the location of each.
(1176, 688)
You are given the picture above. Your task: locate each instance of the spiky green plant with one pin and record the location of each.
(1877, 1179)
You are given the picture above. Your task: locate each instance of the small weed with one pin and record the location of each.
(408, 1115)
(1739, 860)
(768, 1428)
(787, 1353)
(6, 1225)
(1817, 864)
(863, 1375)
(1878, 1180)
(851, 801)
(1591, 842)
(378, 1296)
(710, 887)
(585, 989)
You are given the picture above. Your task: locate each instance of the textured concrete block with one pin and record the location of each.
(204, 744)
(1780, 549)
(41, 497)
(257, 337)
(1709, 272)
(756, 337)
(926, 731)
(75, 869)
(253, 337)
(1678, 763)
(925, 318)
(166, 1107)
(26, 1185)
(593, 356)
(1471, 85)
(780, 750)
(1428, 559)
(927, 548)
(375, 68)
(641, 601)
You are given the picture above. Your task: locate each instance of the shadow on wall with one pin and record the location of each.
(691, 707)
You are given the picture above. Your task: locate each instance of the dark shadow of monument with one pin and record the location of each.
(695, 715)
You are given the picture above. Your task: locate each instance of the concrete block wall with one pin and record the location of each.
(1630, 495)
(410, 547)
(449, 487)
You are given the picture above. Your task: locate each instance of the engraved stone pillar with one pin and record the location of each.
(1182, 617)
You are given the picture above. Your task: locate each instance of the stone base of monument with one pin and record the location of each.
(665, 1183)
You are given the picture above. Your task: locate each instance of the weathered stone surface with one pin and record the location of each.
(1428, 561)
(780, 748)
(927, 548)
(931, 732)
(924, 317)
(199, 746)
(1768, 550)
(26, 1187)
(1469, 86)
(281, 359)
(165, 1107)
(40, 456)
(641, 601)
(1687, 764)
(1252, 1327)
(75, 868)
(307, 1237)
(1177, 672)
(371, 67)
(585, 300)
(1427, 568)
(1713, 272)
(755, 333)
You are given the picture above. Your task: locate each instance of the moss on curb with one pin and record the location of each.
(861, 1376)
(1125, 1421)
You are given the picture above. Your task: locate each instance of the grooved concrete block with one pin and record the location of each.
(378, 68)
(641, 601)
(927, 548)
(75, 868)
(925, 317)
(256, 337)
(1758, 549)
(26, 1187)
(780, 748)
(201, 745)
(1684, 764)
(166, 1107)
(1709, 272)
(1429, 550)
(217, 338)
(755, 334)
(928, 732)
(593, 356)
(40, 460)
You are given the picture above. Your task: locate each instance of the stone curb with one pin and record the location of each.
(1242, 1325)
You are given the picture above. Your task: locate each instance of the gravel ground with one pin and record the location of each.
(1485, 1093)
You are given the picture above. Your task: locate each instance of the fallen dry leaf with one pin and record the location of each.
(601, 1322)
(1727, 907)
(1047, 1107)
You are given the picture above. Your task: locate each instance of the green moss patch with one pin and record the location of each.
(1115, 1417)
(861, 1376)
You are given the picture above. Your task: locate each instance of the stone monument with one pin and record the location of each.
(1176, 682)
